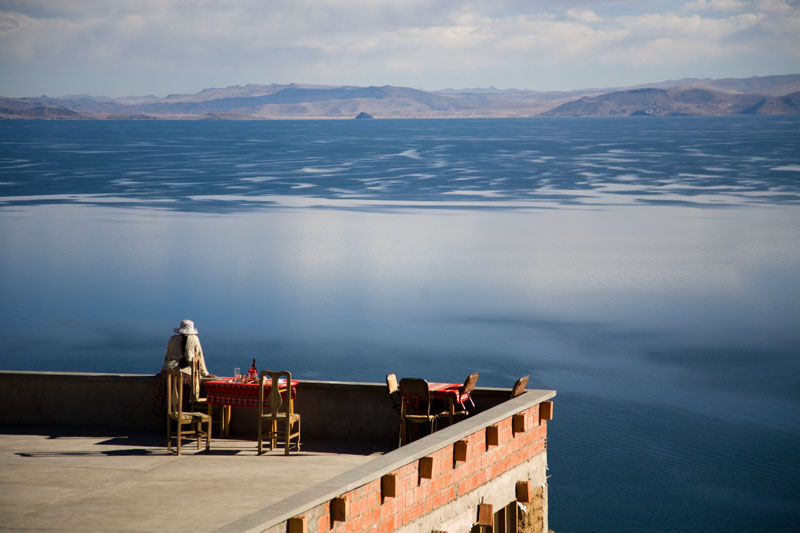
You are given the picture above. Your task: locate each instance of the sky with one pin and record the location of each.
(140, 47)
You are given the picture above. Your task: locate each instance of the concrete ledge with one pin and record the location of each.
(73, 399)
(319, 494)
(86, 400)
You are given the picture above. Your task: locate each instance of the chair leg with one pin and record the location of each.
(260, 436)
(287, 430)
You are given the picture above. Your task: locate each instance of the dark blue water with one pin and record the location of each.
(647, 269)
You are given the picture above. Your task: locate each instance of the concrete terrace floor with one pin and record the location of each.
(84, 481)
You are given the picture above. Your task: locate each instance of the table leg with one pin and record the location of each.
(451, 403)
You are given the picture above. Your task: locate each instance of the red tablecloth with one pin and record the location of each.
(441, 391)
(445, 391)
(226, 391)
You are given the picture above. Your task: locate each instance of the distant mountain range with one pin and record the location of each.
(774, 95)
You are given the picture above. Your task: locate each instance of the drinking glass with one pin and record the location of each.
(237, 374)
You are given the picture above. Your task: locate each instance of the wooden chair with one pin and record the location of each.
(279, 410)
(464, 394)
(397, 403)
(519, 386)
(416, 406)
(394, 392)
(177, 418)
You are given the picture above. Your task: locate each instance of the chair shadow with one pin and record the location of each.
(107, 453)
(135, 443)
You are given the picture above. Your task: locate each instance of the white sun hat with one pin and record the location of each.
(187, 328)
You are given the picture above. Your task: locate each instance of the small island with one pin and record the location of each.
(363, 115)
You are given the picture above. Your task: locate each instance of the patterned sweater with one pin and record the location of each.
(175, 353)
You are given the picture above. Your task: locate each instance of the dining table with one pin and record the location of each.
(229, 392)
(449, 393)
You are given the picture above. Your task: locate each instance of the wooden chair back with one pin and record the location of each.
(196, 398)
(394, 391)
(391, 382)
(174, 394)
(469, 383)
(277, 404)
(416, 396)
(519, 386)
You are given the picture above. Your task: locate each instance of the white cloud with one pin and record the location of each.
(715, 5)
(8, 24)
(774, 6)
(408, 42)
(582, 15)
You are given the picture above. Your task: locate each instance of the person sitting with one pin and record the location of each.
(182, 349)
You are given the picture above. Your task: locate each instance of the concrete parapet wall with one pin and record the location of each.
(330, 410)
(78, 400)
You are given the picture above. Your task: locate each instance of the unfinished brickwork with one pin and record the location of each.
(448, 495)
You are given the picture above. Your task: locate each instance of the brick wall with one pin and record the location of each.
(457, 470)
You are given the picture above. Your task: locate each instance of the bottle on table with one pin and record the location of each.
(252, 374)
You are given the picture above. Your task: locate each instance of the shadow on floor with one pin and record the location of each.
(152, 443)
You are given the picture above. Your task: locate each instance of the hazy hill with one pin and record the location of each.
(768, 94)
(766, 85)
(42, 113)
(691, 101)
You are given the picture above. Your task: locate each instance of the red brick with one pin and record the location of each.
(360, 507)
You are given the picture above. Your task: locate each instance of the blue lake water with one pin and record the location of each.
(648, 269)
